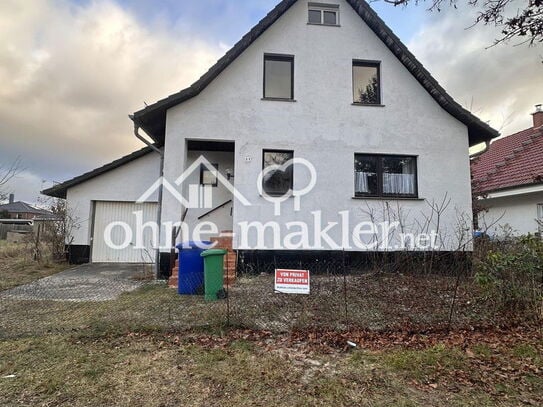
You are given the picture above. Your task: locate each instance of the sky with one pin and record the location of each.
(72, 70)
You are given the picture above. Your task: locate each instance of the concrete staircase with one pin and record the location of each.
(223, 241)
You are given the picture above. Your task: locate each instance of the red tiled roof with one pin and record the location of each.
(512, 161)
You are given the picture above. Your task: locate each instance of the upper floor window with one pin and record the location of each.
(279, 180)
(366, 83)
(385, 176)
(323, 14)
(278, 77)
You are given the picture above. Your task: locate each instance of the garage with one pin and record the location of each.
(122, 232)
(107, 195)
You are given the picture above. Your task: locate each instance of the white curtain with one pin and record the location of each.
(361, 181)
(401, 184)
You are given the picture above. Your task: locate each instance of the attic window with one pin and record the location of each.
(323, 14)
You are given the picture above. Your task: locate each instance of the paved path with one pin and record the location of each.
(88, 282)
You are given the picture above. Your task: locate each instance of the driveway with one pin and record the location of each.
(88, 282)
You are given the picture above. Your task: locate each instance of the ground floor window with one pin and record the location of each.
(279, 180)
(385, 176)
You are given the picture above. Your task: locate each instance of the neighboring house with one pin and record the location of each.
(22, 210)
(327, 83)
(508, 178)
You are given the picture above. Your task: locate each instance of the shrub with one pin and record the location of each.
(511, 273)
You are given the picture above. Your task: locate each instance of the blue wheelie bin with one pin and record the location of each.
(191, 267)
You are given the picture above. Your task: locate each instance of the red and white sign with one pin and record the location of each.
(292, 281)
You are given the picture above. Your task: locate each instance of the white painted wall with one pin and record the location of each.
(322, 125)
(517, 212)
(123, 184)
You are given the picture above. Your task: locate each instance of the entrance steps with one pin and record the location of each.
(223, 241)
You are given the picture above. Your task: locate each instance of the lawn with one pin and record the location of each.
(17, 266)
(152, 347)
(242, 368)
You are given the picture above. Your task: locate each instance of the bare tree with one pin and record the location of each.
(7, 172)
(517, 19)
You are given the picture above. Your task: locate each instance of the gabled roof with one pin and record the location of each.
(59, 190)
(23, 207)
(152, 119)
(512, 161)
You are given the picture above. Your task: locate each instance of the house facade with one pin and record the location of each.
(317, 124)
(508, 178)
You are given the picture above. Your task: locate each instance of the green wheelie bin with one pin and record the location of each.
(213, 274)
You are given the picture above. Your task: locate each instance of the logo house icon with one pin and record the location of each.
(199, 196)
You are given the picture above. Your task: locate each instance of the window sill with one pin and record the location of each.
(325, 25)
(388, 198)
(367, 104)
(277, 196)
(279, 100)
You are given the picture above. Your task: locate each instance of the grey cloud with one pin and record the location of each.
(500, 84)
(71, 75)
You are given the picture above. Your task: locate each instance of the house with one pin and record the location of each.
(316, 125)
(508, 178)
(21, 210)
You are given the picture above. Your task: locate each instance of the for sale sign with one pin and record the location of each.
(292, 281)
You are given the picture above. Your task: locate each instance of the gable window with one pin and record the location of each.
(208, 177)
(366, 83)
(323, 14)
(385, 176)
(278, 77)
(278, 180)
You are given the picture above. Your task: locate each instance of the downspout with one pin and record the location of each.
(160, 190)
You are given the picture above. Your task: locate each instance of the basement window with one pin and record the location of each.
(323, 14)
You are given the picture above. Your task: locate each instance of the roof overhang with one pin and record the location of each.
(514, 191)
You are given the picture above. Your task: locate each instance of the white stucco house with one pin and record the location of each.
(508, 178)
(321, 107)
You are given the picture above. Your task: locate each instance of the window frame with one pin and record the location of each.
(367, 64)
(283, 58)
(203, 168)
(276, 150)
(379, 171)
(322, 7)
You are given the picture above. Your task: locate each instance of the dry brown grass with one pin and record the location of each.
(173, 370)
(17, 266)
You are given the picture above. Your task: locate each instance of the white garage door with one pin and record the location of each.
(116, 235)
